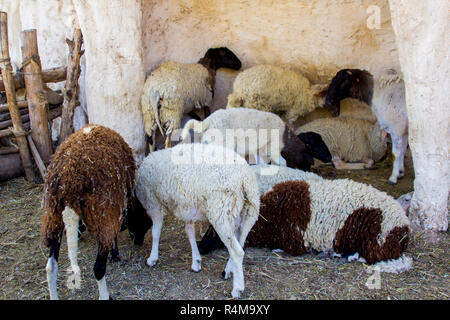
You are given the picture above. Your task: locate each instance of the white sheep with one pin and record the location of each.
(278, 90)
(198, 182)
(268, 136)
(90, 179)
(386, 96)
(350, 140)
(174, 89)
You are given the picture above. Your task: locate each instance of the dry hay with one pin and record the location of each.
(268, 275)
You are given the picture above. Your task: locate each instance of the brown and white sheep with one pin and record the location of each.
(90, 178)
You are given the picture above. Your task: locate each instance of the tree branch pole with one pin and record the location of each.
(71, 92)
(10, 89)
(37, 103)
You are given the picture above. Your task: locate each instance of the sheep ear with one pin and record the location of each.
(319, 89)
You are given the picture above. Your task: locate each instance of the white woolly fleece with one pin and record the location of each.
(332, 201)
(352, 140)
(270, 175)
(275, 89)
(183, 87)
(212, 188)
(265, 128)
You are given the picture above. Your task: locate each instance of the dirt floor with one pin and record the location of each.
(268, 275)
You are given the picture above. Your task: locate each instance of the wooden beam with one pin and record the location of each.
(49, 75)
(20, 104)
(53, 114)
(19, 132)
(37, 158)
(71, 92)
(37, 103)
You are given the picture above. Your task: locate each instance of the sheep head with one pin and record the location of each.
(315, 146)
(223, 57)
(349, 83)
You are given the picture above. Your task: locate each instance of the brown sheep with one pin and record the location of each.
(90, 177)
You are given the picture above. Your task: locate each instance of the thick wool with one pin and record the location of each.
(212, 179)
(174, 89)
(92, 172)
(270, 175)
(353, 140)
(198, 182)
(243, 121)
(344, 217)
(275, 89)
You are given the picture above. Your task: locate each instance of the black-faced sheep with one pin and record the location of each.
(386, 96)
(174, 89)
(340, 216)
(90, 178)
(278, 90)
(351, 140)
(198, 182)
(268, 137)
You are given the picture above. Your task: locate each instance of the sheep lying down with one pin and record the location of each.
(357, 141)
(340, 217)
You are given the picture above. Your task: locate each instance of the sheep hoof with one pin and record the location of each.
(196, 270)
(391, 182)
(152, 263)
(115, 258)
(236, 293)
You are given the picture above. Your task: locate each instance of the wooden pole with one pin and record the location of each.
(37, 158)
(49, 75)
(37, 104)
(71, 92)
(6, 67)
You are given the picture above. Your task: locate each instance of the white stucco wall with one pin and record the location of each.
(421, 28)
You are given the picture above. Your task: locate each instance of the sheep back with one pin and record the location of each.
(199, 182)
(177, 86)
(92, 172)
(351, 139)
(273, 89)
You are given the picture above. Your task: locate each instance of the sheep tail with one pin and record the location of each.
(154, 99)
(71, 220)
(197, 126)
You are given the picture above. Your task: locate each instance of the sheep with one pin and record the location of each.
(350, 140)
(387, 100)
(197, 182)
(90, 178)
(334, 216)
(268, 136)
(278, 90)
(174, 89)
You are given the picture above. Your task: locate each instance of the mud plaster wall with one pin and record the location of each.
(315, 37)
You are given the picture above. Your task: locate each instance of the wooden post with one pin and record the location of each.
(6, 67)
(37, 104)
(71, 92)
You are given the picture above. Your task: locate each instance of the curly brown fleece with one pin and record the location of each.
(93, 172)
(285, 211)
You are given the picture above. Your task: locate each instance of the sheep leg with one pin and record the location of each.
(115, 251)
(196, 258)
(398, 150)
(71, 220)
(99, 272)
(402, 156)
(234, 264)
(52, 267)
(156, 233)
